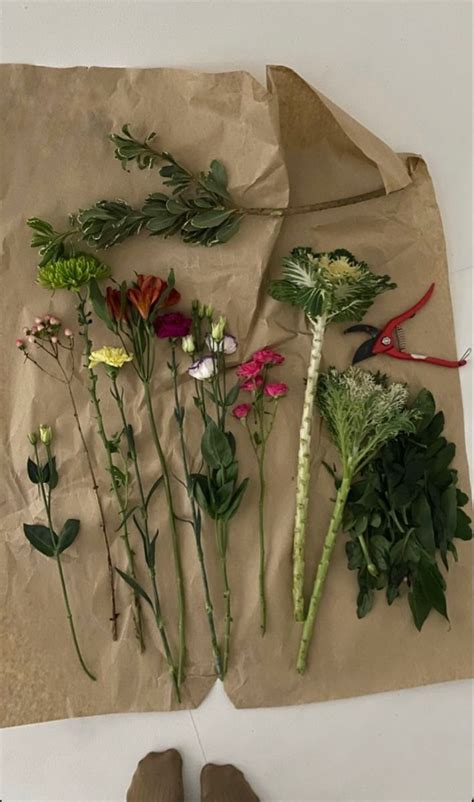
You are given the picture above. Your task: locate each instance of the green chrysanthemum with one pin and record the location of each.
(72, 273)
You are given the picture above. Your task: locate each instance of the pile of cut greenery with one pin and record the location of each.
(403, 514)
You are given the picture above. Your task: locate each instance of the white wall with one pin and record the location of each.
(403, 69)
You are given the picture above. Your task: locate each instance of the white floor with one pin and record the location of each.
(403, 69)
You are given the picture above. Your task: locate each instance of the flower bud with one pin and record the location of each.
(68, 333)
(201, 310)
(209, 311)
(54, 340)
(39, 327)
(19, 343)
(188, 345)
(217, 329)
(54, 321)
(30, 339)
(38, 320)
(33, 438)
(46, 434)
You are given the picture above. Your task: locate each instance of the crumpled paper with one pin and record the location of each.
(285, 144)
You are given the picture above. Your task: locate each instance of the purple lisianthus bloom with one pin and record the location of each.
(172, 324)
(203, 369)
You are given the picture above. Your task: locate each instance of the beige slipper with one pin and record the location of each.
(158, 778)
(225, 784)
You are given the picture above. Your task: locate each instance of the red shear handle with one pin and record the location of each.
(433, 360)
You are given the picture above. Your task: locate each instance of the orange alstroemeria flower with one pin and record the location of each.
(113, 298)
(148, 292)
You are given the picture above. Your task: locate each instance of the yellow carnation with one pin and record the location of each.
(114, 357)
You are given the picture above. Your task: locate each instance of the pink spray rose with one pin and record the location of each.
(250, 385)
(268, 357)
(172, 324)
(276, 390)
(249, 370)
(241, 410)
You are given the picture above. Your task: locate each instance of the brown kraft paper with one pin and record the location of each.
(285, 144)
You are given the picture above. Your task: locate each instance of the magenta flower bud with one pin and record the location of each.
(241, 411)
(275, 390)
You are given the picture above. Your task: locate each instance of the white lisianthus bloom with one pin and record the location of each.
(228, 345)
(203, 369)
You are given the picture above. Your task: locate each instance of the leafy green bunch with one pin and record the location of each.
(362, 412)
(403, 512)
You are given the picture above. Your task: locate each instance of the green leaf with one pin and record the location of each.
(211, 218)
(355, 555)
(229, 229)
(125, 517)
(419, 605)
(152, 490)
(236, 501)
(424, 524)
(432, 585)
(100, 306)
(365, 602)
(215, 447)
(232, 395)
(52, 480)
(443, 458)
(68, 534)
(41, 538)
(380, 551)
(33, 471)
(224, 496)
(136, 587)
(425, 404)
(200, 489)
(463, 526)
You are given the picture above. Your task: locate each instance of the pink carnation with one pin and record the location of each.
(249, 370)
(268, 357)
(250, 385)
(241, 410)
(276, 390)
(172, 324)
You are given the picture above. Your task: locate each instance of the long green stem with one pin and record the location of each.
(329, 543)
(136, 609)
(174, 534)
(47, 507)
(304, 466)
(164, 638)
(221, 539)
(196, 522)
(83, 324)
(261, 533)
(71, 620)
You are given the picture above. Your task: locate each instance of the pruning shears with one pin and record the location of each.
(390, 339)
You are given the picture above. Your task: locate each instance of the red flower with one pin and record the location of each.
(113, 298)
(249, 370)
(172, 324)
(276, 390)
(268, 357)
(241, 411)
(148, 292)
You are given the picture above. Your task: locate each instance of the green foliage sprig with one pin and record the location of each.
(404, 511)
(46, 539)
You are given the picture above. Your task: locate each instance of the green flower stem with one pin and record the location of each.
(174, 534)
(261, 532)
(221, 539)
(70, 619)
(95, 488)
(370, 565)
(144, 513)
(196, 521)
(164, 638)
(329, 543)
(83, 320)
(47, 506)
(304, 467)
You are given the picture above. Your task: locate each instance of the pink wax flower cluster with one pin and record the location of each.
(46, 328)
(254, 373)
